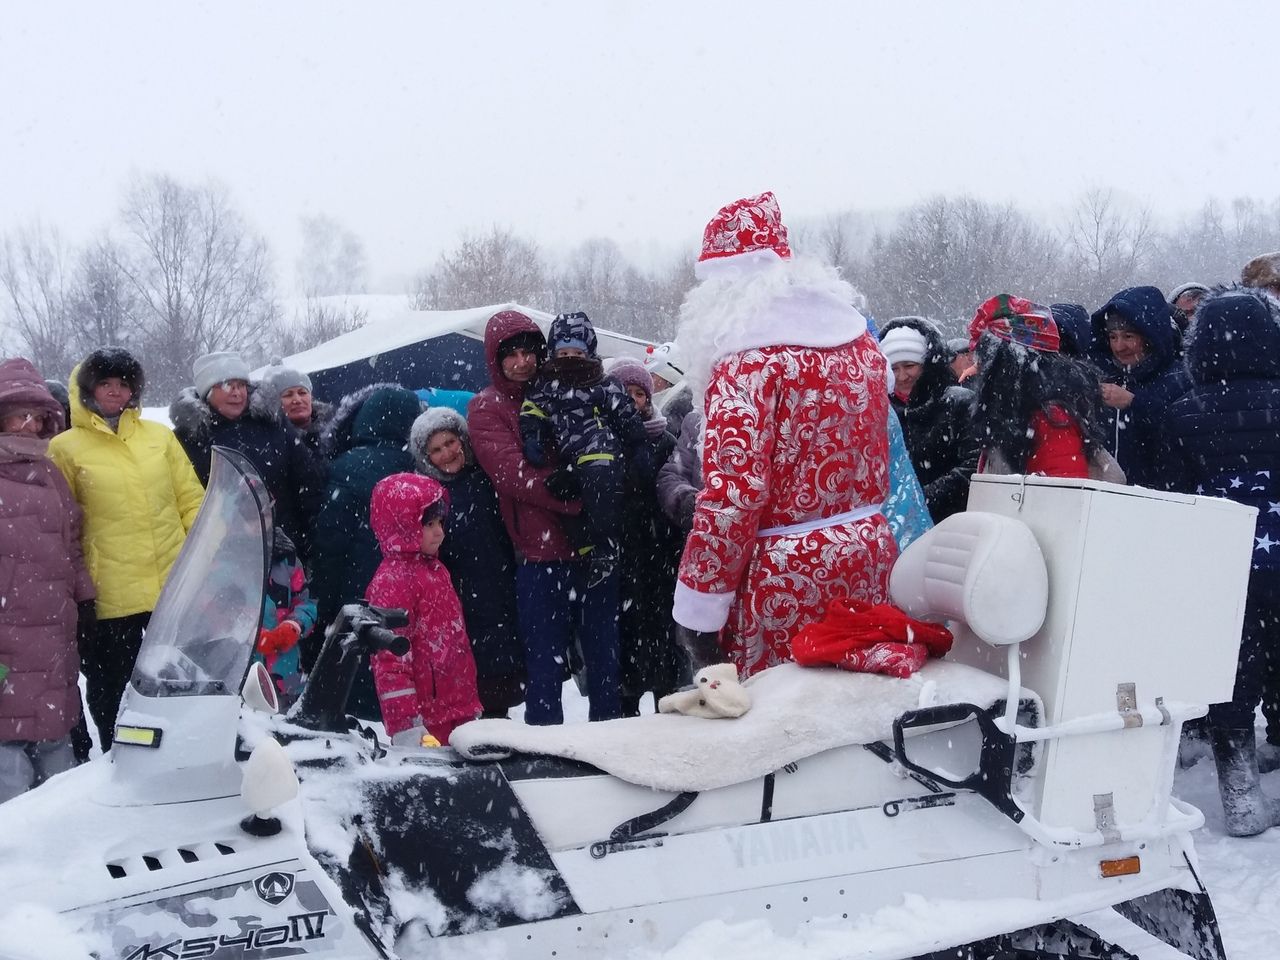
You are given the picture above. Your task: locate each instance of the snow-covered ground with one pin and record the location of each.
(1242, 875)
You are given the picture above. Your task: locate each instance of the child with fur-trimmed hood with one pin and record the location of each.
(432, 688)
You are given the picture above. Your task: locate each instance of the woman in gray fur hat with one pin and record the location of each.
(478, 555)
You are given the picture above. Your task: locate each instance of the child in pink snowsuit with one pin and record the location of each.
(432, 688)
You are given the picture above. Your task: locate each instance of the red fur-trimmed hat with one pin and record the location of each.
(745, 226)
(1016, 320)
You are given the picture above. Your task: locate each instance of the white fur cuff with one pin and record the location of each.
(704, 612)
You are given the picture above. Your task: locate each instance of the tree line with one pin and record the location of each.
(939, 258)
(180, 272)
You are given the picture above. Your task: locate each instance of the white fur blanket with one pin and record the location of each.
(796, 712)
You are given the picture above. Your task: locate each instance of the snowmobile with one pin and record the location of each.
(968, 811)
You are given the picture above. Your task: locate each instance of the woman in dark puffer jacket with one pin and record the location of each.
(1223, 441)
(478, 555)
(934, 411)
(1136, 348)
(42, 580)
(368, 440)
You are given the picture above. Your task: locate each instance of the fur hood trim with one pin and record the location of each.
(936, 377)
(110, 362)
(191, 416)
(335, 436)
(430, 422)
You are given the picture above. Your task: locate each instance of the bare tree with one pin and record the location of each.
(37, 283)
(203, 281)
(598, 280)
(945, 256)
(670, 284)
(1212, 246)
(332, 261)
(104, 305)
(489, 269)
(322, 319)
(1110, 244)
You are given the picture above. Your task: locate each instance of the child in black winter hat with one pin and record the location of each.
(590, 423)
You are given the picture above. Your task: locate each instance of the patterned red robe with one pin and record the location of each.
(793, 435)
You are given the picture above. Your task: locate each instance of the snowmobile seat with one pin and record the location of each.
(982, 569)
(796, 713)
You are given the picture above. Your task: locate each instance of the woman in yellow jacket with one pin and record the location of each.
(140, 496)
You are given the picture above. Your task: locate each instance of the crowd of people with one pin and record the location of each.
(628, 521)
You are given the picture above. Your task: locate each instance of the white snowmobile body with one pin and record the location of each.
(997, 790)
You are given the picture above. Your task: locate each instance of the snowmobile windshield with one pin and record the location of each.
(206, 621)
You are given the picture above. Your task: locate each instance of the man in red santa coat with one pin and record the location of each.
(795, 451)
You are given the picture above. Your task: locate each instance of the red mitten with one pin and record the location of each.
(280, 639)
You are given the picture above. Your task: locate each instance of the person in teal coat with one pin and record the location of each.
(367, 440)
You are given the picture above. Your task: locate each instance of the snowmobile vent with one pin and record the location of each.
(160, 859)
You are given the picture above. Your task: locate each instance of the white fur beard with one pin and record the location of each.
(733, 310)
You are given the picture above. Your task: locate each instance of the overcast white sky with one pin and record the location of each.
(411, 122)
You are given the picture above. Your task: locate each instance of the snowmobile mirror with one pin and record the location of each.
(269, 780)
(259, 691)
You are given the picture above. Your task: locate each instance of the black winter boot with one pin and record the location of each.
(1248, 810)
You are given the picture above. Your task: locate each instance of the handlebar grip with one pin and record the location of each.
(399, 645)
(380, 638)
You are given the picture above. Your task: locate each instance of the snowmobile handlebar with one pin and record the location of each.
(359, 630)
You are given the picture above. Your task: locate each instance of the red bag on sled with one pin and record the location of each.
(869, 638)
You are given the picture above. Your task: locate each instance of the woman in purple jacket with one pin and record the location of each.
(42, 579)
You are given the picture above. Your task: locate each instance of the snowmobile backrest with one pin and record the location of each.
(980, 568)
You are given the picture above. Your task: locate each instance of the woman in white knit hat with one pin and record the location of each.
(672, 397)
(218, 411)
(934, 412)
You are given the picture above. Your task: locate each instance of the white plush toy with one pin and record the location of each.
(716, 694)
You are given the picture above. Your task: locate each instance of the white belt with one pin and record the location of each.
(799, 529)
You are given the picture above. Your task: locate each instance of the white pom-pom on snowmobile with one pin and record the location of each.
(994, 791)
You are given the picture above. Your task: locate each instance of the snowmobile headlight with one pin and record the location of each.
(1124, 867)
(139, 736)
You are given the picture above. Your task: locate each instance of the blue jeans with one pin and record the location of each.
(553, 602)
